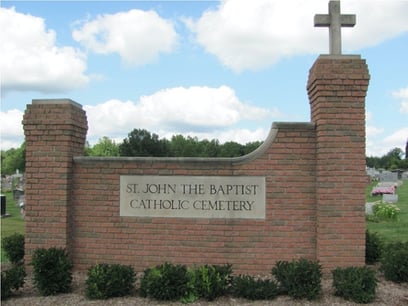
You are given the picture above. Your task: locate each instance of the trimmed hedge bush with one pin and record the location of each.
(12, 279)
(394, 262)
(373, 248)
(52, 270)
(209, 281)
(355, 283)
(245, 286)
(299, 278)
(167, 282)
(13, 247)
(105, 281)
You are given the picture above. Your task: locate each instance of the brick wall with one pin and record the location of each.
(314, 189)
(287, 162)
(54, 132)
(337, 88)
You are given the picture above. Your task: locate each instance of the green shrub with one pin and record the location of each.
(244, 286)
(373, 248)
(12, 279)
(209, 282)
(394, 262)
(52, 271)
(355, 283)
(13, 247)
(299, 278)
(166, 282)
(386, 211)
(105, 281)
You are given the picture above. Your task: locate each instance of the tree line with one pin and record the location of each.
(391, 161)
(141, 142)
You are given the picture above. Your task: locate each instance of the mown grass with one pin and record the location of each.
(12, 224)
(388, 230)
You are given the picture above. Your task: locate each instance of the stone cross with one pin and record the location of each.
(334, 20)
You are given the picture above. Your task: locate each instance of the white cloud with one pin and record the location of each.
(256, 34)
(137, 36)
(199, 111)
(402, 95)
(31, 60)
(12, 134)
(397, 139)
(377, 145)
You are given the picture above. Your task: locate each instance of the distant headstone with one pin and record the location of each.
(17, 193)
(390, 198)
(369, 208)
(388, 176)
(3, 205)
(373, 173)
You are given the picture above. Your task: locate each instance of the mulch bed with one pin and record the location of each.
(388, 293)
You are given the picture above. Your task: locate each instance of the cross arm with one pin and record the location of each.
(322, 20)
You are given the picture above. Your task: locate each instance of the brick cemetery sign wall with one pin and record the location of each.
(300, 194)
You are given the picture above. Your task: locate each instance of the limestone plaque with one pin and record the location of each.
(193, 196)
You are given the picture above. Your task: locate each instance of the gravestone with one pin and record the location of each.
(369, 208)
(373, 173)
(17, 193)
(390, 198)
(3, 205)
(387, 176)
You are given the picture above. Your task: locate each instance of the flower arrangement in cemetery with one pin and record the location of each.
(386, 211)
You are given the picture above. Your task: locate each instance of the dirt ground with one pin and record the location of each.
(388, 293)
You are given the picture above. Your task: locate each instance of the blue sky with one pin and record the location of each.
(210, 69)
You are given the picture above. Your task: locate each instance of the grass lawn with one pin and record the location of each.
(12, 224)
(388, 230)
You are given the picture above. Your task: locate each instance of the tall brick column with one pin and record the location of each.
(55, 132)
(337, 89)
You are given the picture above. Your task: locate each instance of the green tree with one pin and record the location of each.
(12, 160)
(392, 159)
(251, 146)
(231, 149)
(209, 148)
(180, 146)
(141, 143)
(105, 147)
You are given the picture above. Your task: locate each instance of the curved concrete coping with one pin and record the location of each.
(56, 101)
(208, 160)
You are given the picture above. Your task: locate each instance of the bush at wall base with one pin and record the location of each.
(373, 248)
(394, 262)
(106, 281)
(299, 278)
(11, 280)
(13, 247)
(167, 282)
(355, 283)
(52, 271)
(209, 281)
(248, 287)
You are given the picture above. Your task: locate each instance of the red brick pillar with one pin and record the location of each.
(55, 132)
(337, 88)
